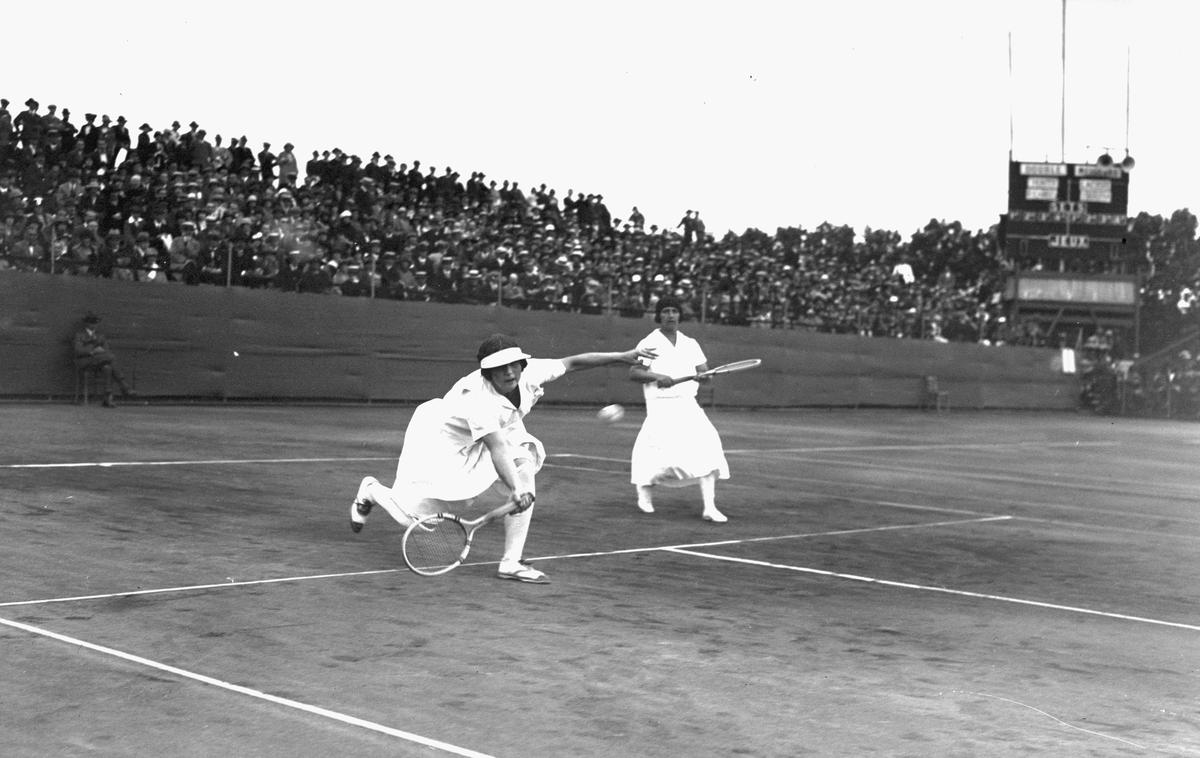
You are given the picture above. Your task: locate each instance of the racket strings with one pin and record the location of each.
(435, 544)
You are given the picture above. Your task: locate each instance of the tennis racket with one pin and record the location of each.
(439, 543)
(724, 368)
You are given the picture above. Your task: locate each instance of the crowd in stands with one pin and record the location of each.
(174, 205)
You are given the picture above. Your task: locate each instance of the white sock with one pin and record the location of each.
(516, 529)
(516, 526)
(645, 495)
(377, 494)
(708, 491)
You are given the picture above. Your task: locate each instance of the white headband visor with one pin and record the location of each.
(503, 357)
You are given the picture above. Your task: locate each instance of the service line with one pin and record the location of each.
(231, 583)
(929, 588)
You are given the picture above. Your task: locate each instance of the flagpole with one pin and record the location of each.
(1063, 119)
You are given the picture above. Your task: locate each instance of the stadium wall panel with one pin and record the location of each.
(210, 343)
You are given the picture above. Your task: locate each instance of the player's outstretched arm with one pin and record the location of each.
(502, 459)
(642, 375)
(592, 360)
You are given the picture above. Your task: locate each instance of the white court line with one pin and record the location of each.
(1050, 716)
(287, 702)
(221, 462)
(1074, 482)
(909, 506)
(984, 498)
(720, 543)
(930, 588)
(936, 446)
(774, 538)
(871, 448)
(195, 587)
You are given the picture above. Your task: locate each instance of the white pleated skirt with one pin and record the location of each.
(435, 464)
(677, 445)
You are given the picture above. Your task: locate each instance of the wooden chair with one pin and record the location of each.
(933, 395)
(85, 383)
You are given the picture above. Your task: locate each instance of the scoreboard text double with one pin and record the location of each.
(1058, 210)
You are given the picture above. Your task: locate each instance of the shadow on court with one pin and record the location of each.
(183, 581)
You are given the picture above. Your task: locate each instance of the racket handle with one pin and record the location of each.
(510, 506)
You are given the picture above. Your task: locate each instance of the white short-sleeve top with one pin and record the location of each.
(678, 360)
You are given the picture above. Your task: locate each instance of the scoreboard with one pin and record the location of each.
(1060, 210)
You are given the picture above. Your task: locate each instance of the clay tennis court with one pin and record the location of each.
(181, 580)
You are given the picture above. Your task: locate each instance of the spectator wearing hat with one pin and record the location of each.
(389, 173)
(185, 253)
(415, 177)
(688, 224)
(51, 124)
(143, 255)
(314, 167)
(241, 157)
(315, 278)
(105, 260)
(202, 150)
(29, 251)
(145, 145)
(68, 192)
(183, 146)
(30, 128)
(374, 169)
(266, 164)
(6, 132)
(93, 354)
(120, 138)
(221, 156)
(89, 135)
(353, 284)
(81, 251)
(289, 167)
(106, 141)
(67, 132)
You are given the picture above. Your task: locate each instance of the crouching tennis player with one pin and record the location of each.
(677, 445)
(472, 442)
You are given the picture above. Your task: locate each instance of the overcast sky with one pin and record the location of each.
(880, 113)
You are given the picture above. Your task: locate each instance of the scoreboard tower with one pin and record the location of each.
(1065, 237)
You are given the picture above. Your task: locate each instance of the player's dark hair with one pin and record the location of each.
(667, 301)
(494, 344)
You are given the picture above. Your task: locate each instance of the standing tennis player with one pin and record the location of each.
(473, 441)
(677, 445)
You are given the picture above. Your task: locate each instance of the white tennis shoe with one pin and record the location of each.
(521, 572)
(361, 507)
(713, 515)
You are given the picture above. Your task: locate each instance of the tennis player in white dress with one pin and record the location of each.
(677, 445)
(473, 441)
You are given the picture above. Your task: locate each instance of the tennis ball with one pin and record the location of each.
(611, 414)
